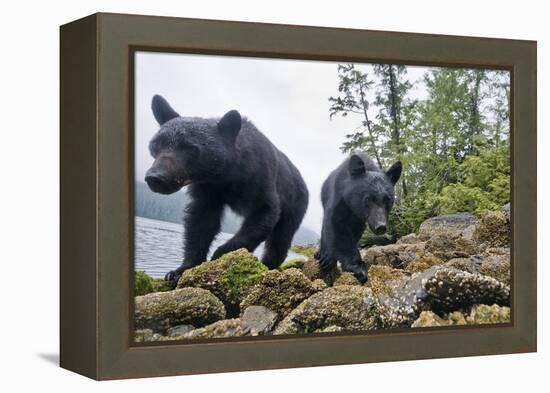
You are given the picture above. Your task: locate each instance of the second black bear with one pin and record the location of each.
(355, 194)
(226, 162)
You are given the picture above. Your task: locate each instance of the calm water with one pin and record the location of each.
(159, 246)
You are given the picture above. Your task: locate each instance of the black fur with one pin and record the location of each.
(356, 194)
(226, 162)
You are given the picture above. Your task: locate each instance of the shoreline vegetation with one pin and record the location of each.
(455, 270)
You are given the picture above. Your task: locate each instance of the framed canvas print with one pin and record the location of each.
(242, 196)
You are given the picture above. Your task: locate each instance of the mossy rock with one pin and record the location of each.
(423, 262)
(349, 307)
(307, 250)
(230, 277)
(450, 225)
(161, 310)
(292, 263)
(143, 284)
(493, 229)
(160, 285)
(430, 319)
(279, 291)
(485, 314)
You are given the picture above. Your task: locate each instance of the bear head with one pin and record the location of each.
(189, 149)
(370, 194)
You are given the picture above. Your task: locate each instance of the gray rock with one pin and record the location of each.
(179, 330)
(451, 225)
(259, 319)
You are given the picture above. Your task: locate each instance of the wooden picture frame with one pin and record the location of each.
(97, 194)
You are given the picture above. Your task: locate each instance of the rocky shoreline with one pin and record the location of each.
(454, 271)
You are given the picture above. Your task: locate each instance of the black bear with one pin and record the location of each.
(356, 193)
(226, 162)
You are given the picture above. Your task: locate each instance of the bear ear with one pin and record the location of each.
(230, 125)
(356, 165)
(162, 110)
(394, 173)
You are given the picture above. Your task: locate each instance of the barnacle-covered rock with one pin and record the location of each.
(384, 279)
(313, 271)
(346, 278)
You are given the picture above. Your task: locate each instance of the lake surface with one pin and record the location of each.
(159, 246)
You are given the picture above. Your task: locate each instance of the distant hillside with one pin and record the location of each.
(170, 208)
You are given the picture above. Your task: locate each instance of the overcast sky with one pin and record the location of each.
(287, 100)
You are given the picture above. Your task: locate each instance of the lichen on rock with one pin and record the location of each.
(220, 329)
(384, 279)
(397, 255)
(143, 284)
(346, 278)
(493, 229)
(488, 314)
(350, 307)
(159, 311)
(280, 291)
(430, 319)
(423, 262)
(230, 277)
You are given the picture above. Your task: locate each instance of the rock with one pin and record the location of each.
(506, 211)
(308, 250)
(319, 285)
(430, 319)
(292, 263)
(393, 255)
(220, 329)
(259, 319)
(409, 239)
(439, 289)
(384, 279)
(179, 330)
(470, 265)
(160, 285)
(423, 262)
(485, 314)
(161, 310)
(445, 290)
(330, 329)
(451, 225)
(349, 307)
(280, 291)
(493, 229)
(312, 270)
(498, 267)
(230, 277)
(143, 284)
(346, 278)
(143, 335)
(446, 247)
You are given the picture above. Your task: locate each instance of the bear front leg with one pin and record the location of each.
(325, 255)
(347, 252)
(255, 229)
(202, 221)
